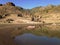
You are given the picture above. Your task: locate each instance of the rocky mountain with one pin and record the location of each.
(47, 14)
(10, 13)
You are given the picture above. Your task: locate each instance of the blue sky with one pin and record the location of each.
(28, 4)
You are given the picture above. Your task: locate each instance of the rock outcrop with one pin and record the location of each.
(9, 4)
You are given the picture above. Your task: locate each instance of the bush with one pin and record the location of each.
(0, 4)
(0, 16)
(32, 18)
(20, 15)
(9, 20)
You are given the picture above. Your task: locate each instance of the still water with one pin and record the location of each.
(31, 39)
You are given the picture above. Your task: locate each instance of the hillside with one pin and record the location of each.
(10, 13)
(47, 14)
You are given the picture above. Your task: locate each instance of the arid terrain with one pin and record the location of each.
(15, 20)
(12, 14)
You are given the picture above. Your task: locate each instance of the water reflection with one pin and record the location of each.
(30, 39)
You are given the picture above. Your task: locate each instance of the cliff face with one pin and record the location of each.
(10, 13)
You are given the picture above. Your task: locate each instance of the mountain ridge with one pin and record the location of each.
(10, 13)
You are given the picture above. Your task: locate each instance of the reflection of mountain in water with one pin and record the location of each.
(30, 39)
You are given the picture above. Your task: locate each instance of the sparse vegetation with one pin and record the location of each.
(47, 15)
(20, 15)
(0, 16)
(9, 20)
